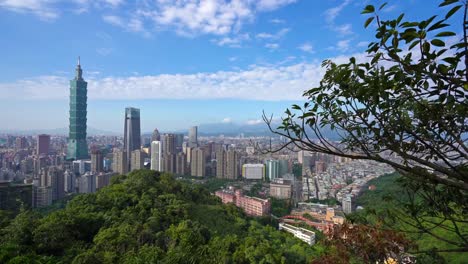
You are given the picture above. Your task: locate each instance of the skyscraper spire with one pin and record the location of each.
(79, 72)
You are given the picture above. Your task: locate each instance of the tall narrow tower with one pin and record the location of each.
(77, 147)
(132, 134)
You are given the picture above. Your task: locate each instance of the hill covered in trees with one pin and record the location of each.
(385, 205)
(147, 217)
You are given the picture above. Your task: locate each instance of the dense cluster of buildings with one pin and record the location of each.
(37, 170)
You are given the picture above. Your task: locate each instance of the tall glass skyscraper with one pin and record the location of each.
(132, 133)
(193, 137)
(77, 147)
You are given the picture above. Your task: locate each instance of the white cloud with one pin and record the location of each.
(226, 120)
(306, 47)
(104, 51)
(268, 5)
(44, 9)
(276, 35)
(343, 45)
(269, 83)
(49, 9)
(232, 59)
(363, 44)
(277, 21)
(233, 42)
(272, 46)
(132, 25)
(216, 17)
(185, 17)
(332, 13)
(252, 122)
(344, 29)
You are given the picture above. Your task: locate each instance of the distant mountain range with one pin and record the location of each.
(211, 129)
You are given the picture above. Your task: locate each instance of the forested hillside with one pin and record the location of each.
(147, 217)
(385, 205)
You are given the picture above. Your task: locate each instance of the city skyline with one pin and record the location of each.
(223, 71)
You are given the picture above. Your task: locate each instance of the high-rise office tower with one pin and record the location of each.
(272, 169)
(132, 134)
(181, 163)
(56, 180)
(179, 140)
(155, 136)
(169, 144)
(43, 143)
(77, 147)
(156, 155)
(197, 163)
(70, 181)
(42, 196)
(97, 161)
(87, 183)
(119, 162)
(232, 165)
(220, 164)
(169, 162)
(21, 143)
(193, 137)
(138, 160)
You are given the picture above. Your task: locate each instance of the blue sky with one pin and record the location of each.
(181, 62)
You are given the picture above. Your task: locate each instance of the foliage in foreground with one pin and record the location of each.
(389, 200)
(405, 104)
(146, 217)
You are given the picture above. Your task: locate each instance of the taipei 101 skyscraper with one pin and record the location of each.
(77, 147)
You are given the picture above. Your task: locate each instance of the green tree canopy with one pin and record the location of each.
(406, 106)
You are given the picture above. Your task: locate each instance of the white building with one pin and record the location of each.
(70, 181)
(87, 183)
(253, 171)
(299, 232)
(347, 203)
(156, 149)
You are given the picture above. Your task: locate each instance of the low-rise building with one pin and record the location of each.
(253, 171)
(251, 205)
(281, 189)
(299, 232)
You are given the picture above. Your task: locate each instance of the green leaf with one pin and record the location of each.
(448, 2)
(437, 26)
(438, 43)
(383, 5)
(368, 21)
(400, 18)
(368, 9)
(445, 34)
(452, 11)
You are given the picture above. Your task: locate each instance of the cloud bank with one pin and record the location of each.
(268, 83)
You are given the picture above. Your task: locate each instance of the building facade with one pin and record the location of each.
(156, 155)
(138, 160)
(43, 144)
(253, 171)
(132, 133)
(119, 162)
(197, 164)
(193, 137)
(272, 169)
(97, 161)
(281, 189)
(251, 205)
(77, 147)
